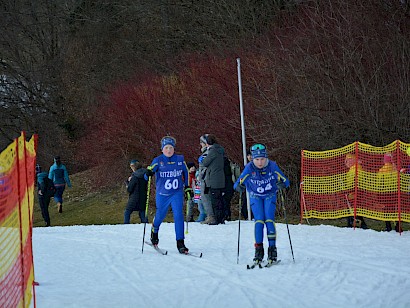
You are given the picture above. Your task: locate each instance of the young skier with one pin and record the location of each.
(262, 178)
(171, 175)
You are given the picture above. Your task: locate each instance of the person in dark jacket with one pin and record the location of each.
(45, 190)
(137, 187)
(215, 176)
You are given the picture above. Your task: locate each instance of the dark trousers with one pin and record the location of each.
(227, 204)
(217, 201)
(127, 216)
(44, 203)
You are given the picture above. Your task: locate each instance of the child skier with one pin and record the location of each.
(171, 175)
(262, 178)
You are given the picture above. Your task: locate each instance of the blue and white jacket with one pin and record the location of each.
(171, 174)
(261, 182)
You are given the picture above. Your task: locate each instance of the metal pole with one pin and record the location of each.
(243, 130)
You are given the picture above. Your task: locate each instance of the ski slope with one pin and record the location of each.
(102, 266)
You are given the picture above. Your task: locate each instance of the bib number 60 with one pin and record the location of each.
(171, 184)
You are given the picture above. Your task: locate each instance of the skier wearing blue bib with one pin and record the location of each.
(262, 178)
(171, 176)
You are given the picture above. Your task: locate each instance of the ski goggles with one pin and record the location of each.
(258, 150)
(258, 146)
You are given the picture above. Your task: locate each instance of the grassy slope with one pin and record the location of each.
(83, 206)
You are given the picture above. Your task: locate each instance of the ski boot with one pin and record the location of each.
(181, 247)
(154, 238)
(272, 254)
(259, 253)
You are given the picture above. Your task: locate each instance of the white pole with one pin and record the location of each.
(245, 161)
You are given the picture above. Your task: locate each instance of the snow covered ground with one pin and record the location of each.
(102, 266)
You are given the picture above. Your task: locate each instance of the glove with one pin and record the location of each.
(200, 159)
(280, 185)
(149, 172)
(240, 188)
(188, 192)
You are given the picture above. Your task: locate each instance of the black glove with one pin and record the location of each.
(280, 185)
(149, 172)
(240, 188)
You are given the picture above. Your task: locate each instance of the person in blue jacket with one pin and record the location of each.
(59, 175)
(171, 177)
(262, 178)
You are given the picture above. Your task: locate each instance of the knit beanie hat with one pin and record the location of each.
(190, 165)
(204, 139)
(258, 150)
(168, 140)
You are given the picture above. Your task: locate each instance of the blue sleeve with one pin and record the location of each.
(153, 167)
(51, 173)
(185, 172)
(66, 178)
(243, 177)
(280, 177)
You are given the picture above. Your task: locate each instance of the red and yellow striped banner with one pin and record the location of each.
(17, 176)
(358, 179)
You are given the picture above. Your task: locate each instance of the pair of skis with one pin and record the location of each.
(165, 252)
(261, 264)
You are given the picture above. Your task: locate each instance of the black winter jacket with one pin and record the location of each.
(137, 189)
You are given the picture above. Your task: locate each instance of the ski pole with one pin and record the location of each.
(146, 213)
(282, 199)
(239, 225)
(187, 209)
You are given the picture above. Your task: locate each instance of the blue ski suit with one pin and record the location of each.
(171, 176)
(261, 185)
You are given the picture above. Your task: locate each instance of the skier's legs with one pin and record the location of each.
(270, 208)
(162, 206)
(177, 201)
(259, 215)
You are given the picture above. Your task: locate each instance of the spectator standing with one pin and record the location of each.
(137, 187)
(350, 162)
(190, 194)
(59, 175)
(198, 200)
(215, 177)
(45, 190)
(388, 174)
(205, 195)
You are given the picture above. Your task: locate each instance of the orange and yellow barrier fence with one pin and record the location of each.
(17, 175)
(358, 179)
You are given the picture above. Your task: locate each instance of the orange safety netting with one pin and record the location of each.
(358, 179)
(17, 165)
